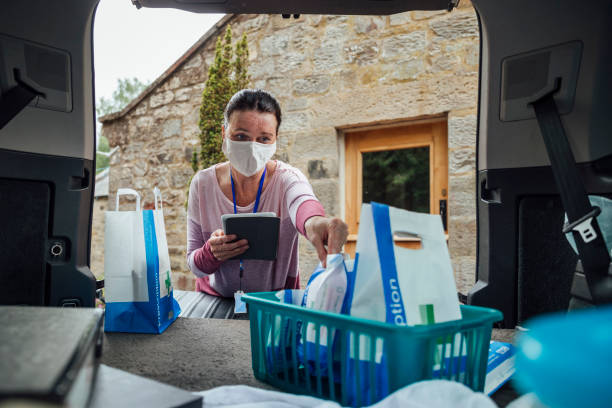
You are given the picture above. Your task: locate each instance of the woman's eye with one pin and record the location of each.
(264, 139)
(241, 136)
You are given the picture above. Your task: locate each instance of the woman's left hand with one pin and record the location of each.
(330, 232)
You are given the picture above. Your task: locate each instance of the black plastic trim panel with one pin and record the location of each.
(499, 270)
(70, 182)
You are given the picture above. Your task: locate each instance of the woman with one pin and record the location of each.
(251, 182)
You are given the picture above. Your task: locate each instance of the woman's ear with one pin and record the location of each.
(222, 132)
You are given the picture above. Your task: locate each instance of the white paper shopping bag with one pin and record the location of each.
(400, 285)
(125, 266)
(162, 246)
(138, 288)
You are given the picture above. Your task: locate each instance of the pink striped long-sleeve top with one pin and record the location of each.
(288, 194)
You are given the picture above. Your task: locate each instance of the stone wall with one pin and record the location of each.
(97, 236)
(329, 73)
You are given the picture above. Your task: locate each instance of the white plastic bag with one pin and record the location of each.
(326, 291)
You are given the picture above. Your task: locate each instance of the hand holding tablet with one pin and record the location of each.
(224, 247)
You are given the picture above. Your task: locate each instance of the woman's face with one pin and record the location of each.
(251, 126)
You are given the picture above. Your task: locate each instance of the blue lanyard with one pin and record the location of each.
(261, 182)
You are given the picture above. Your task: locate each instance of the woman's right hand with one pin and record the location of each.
(223, 248)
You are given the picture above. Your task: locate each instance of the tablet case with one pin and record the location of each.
(259, 229)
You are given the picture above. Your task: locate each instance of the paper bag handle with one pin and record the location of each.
(128, 191)
(405, 234)
(157, 195)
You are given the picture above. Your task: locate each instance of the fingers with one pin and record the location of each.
(218, 233)
(327, 232)
(337, 233)
(230, 246)
(317, 242)
(225, 255)
(316, 230)
(224, 247)
(219, 240)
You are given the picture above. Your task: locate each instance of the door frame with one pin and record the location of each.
(431, 132)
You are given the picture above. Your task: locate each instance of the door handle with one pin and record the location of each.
(443, 213)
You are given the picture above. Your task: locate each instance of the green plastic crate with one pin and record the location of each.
(411, 352)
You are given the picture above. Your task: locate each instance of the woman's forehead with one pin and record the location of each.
(253, 119)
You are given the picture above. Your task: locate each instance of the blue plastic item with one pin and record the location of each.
(566, 359)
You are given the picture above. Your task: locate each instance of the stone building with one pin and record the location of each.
(97, 229)
(348, 85)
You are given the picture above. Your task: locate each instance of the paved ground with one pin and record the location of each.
(193, 354)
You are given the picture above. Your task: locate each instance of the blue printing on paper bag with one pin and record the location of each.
(365, 391)
(126, 317)
(135, 317)
(386, 257)
(167, 308)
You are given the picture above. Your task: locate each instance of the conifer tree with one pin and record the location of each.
(227, 75)
(241, 60)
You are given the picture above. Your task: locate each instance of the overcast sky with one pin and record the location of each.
(141, 43)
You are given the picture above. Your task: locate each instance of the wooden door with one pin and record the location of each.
(378, 161)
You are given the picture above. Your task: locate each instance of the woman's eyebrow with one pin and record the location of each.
(248, 131)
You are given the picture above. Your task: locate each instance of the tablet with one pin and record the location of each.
(259, 229)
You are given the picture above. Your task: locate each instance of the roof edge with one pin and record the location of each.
(214, 30)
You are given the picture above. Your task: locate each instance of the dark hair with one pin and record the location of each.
(253, 100)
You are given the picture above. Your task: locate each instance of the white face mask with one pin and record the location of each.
(248, 157)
